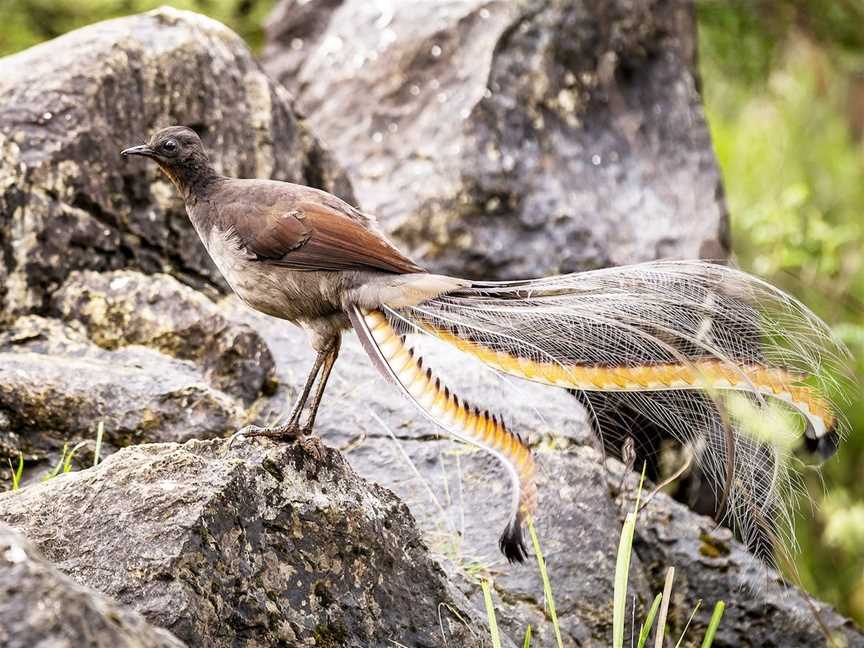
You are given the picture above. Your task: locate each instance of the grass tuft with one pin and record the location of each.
(64, 464)
(17, 472)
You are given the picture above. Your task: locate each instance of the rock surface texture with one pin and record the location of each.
(149, 358)
(67, 108)
(501, 139)
(40, 606)
(257, 545)
(123, 308)
(144, 355)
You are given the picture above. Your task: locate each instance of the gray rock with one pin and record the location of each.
(56, 386)
(39, 606)
(149, 357)
(257, 545)
(123, 308)
(512, 139)
(68, 106)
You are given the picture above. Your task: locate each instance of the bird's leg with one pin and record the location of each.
(294, 417)
(292, 429)
(329, 361)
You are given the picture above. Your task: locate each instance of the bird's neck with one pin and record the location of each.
(198, 185)
(192, 181)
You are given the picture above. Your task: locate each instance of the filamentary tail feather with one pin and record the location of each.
(705, 351)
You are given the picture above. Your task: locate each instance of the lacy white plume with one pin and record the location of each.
(710, 354)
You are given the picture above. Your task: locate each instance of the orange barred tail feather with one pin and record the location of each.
(402, 366)
(699, 374)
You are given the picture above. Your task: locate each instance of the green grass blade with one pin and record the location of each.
(547, 587)
(490, 612)
(664, 608)
(59, 466)
(527, 642)
(100, 431)
(17, 472)
(622, 571)
(639, 492)
(67, 462)
(645, 630)
(716, 616)
(689, 621)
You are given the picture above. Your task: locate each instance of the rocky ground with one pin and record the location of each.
(492, 138)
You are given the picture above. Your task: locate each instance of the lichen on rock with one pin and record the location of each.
(124, 308)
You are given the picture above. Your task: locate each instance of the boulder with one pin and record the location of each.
(250, 545)
(512, 139)
(67, 108)
(56, 386)
(124, 308)
(147, 356)
(39, 606)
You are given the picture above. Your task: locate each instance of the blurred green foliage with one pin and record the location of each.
(783, 82)
(784, 92)
(27, 22)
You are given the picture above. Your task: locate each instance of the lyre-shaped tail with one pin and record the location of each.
(402, 366)
(701, 350)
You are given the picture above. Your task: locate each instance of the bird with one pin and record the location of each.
(707, 352)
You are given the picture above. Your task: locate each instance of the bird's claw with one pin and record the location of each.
(289, 432)
(312, 446)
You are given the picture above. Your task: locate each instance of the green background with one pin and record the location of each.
(783, 82)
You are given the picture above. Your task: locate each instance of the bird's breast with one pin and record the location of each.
(271, 289)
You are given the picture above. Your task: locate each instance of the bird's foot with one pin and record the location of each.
(312, 446)
(289, 432)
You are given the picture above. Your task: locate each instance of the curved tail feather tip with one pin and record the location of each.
(512, 543)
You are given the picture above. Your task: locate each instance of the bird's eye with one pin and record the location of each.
(169, 146)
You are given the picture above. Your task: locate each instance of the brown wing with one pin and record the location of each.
(314, 236)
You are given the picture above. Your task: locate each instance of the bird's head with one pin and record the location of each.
(179, 153)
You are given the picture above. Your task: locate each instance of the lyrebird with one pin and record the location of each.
(694, 347)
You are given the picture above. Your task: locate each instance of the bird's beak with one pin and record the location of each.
(143, 149)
